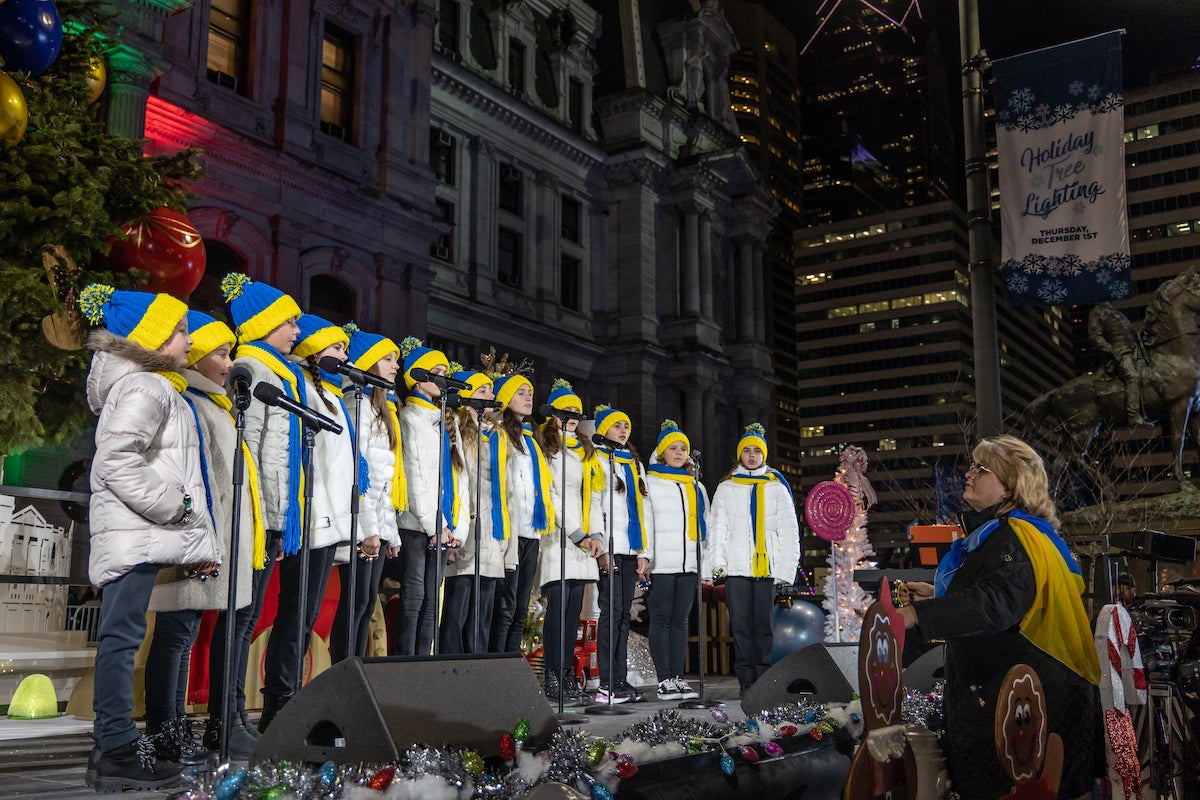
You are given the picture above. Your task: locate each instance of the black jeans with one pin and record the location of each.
(750, 602)
(560, 642)
(281, 663)
(461, 632)
(623, 584)
(122, 628)
(512, 600)
(672, 596)
(167, 664)
(415, 625)
(244, 621)
(368, 573)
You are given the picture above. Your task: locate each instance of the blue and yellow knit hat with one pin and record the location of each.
(669, 434)
(755, 434)
(563, 397)
(142, 318)
(367, 349)
(473, 379)
(506, 388)
(316, 333)
(256, 308)
(207, 335)
(416, 354)
(607, 416)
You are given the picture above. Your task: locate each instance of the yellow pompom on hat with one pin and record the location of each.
(416, 354)
(474, 380)
(755, 434)
(506, 388)
(256, 308)
(367, 349)
(606, 416)
(563, 397)
(316, 333)
(207, 335)
(668, 435)
(145, 319)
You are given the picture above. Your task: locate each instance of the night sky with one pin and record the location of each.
(1162, 35)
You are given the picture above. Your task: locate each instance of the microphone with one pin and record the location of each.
(239, 380)
(478, 403)
(274, 396)
(336, 365)
(550, 411)
(454, 400)
(421, 375)
(604, 441)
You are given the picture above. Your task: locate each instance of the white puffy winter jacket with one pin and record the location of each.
(673, 551)
(580, 565)
(147, 458)
(377, 516)
(619, 523)
(419, 430)
(731, 530)
(335, 475)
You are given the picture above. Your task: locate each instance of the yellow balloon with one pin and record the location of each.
(14, 114)
(97, 77)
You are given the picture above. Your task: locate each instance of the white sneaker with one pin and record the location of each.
(667, 690)
(686, 692)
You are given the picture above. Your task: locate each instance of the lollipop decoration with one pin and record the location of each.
(829, 509)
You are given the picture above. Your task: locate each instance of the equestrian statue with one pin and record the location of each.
(1156, 377)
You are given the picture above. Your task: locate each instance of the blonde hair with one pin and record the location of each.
(1022, 472)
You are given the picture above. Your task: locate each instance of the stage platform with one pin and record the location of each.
(47, 758)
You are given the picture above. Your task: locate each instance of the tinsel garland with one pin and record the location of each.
(584, 763)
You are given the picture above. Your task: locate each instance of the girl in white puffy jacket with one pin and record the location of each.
(461, 630)
(680, 507)
(335, 476)
(428, 516)
(148, 507)
(629, 525)
(578, 503)
(530, 511)
(386, 496)
(753, 544)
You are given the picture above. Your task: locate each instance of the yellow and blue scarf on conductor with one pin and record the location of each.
(399, 477)
(1056, 623)
(498, 465)
(260, 533)
(695, 509)
(294, 387)
(760, 566)
(543, 504)
(449, 501)
(331, 382)
(593, 477)
(636, 530)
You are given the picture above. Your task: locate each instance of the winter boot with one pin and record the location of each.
(133, 766)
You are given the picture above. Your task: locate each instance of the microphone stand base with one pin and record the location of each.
(697, 704)
(605, 710)
(571, 717)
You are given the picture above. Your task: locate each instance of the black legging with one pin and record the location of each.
(368, 573)
(512, 600)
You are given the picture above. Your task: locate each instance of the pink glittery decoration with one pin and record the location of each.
(1124, 746)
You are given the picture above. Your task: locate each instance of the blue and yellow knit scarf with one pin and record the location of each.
(760, 567)
(695, 508)
(331, 382)
(498, 465)
(636, 529)
(449, 500)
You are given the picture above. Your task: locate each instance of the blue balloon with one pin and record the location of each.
(30, 35)
(795, 628)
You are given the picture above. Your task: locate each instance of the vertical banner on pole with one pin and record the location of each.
(1060, 138)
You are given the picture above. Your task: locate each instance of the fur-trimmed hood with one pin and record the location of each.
(115, 357)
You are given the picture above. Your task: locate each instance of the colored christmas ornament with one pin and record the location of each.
(274, 792)
(750, 754)
(34, 699)
(473, 762)
(166, 245)
(97, 77)
(521, 732)
(595, 753)
(508, 747)
(774, 750)
(14, 114)
(600, 791)
(30, 35)
(626, 769)
(727, 764)
(383, 779)
(788, 730)
(816, 734)
(751, 725)
(327, 773)
(719, 714)
(231, 785)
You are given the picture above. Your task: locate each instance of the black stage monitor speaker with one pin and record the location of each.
(929, 667)
(824, 672)
(373, 709)
(1155, 545)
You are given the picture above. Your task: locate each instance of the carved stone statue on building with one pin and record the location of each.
(698, 51)
(1110, 331)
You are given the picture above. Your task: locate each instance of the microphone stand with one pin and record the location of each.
(310, 437)
(241, 402)
(476, 527)
(437, 528)
(573, 718)
(352, 595)
(608, 708)
(701, 641)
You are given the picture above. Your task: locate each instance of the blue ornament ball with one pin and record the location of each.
(30, 35)
(795, 628)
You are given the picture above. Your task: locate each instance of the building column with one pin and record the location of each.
(690, 273)
(693, 412)
(714, 460)
(424, 16)
(480, 235)
(745, 289)
(706, 270)
(286, 236)
(129, 77)
(544, 233)
(760, 298)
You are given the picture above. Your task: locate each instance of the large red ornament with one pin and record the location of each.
(166, 245)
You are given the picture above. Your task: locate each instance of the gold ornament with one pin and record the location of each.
(97, 77)
(14, 114)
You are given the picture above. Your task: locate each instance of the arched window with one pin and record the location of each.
(220, 260)
(330, 298)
